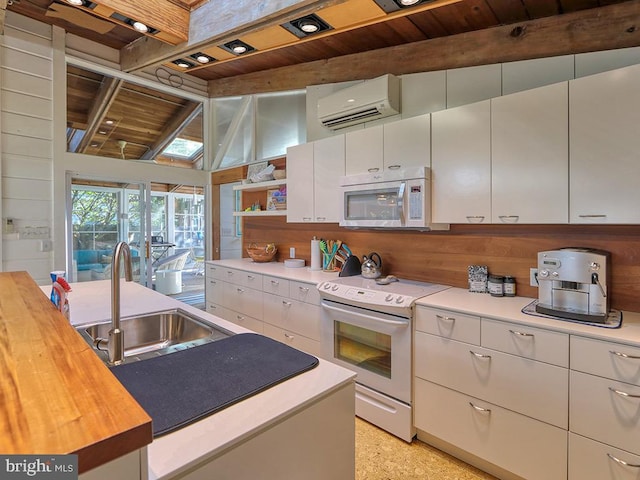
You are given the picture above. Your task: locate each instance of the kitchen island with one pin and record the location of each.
(303, 425)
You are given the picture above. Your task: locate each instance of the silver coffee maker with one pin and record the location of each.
(573, 283)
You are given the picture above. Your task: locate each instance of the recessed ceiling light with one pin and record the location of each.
(394, 5)
(183, 63)
(140, 27)
(77, 3)
(237, 47)
(94, 145)
(307, 25)
(109, 122)
(102, 132)
(202, 57)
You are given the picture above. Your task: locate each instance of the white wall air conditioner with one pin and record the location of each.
(373, 99)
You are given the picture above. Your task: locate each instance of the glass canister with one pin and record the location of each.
(496, 285)
(509, 286)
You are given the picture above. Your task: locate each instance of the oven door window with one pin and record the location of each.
(367, 349)
(378, 204)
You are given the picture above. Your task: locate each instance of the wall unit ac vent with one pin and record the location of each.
(371, 100)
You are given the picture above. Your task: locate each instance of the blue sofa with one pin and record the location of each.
(95, 260)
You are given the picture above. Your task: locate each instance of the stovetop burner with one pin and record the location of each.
(396, 298)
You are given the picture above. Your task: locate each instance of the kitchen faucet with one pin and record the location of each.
(115, 345)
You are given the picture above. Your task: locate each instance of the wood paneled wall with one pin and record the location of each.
(443, 257)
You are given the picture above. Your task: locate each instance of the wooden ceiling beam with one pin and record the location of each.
(173, 129)
(609, 27)
(217, 22)
(105, 98)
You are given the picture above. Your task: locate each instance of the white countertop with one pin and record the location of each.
(190, 446)
(277, 269)
(510, 309)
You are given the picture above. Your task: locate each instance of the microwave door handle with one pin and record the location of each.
(401, 190)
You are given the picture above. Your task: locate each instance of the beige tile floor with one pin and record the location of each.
(381, 456)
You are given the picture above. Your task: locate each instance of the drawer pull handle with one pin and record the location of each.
(240, 290)
(275, 282)
(593, 215)
(304, 289)
(250, 277)
(479, 355)
(509, 218)
(480, 409)
(623, 394)
(622, 462)
(521, 334)
(289, 337)
(240, 318)
(475, 218)
(286, 304)
(624, 355)
(445, 317)
(229, 272)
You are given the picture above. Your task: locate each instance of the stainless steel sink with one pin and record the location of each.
(154, 334)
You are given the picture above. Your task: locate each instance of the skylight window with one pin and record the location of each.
(181, 147)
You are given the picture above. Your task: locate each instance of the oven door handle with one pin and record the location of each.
(395, 323)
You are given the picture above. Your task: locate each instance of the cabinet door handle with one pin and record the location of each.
(306, 219)
(239, 290)
(475, 218)
(394, 167)
(321, 219)
(593, 215)
(509, 218)
(304, 289)
(622, 462)
(480, 409)
(275, 282)
(289, 337)
(445, 317)
(479, 355)
(623, 394)
(286, 304)
(373, 170)
(250, 277)
(230, 273)
(240, 318)
(212, 282)
(624, 355)
(522, 334)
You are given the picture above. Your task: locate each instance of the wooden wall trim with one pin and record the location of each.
(610, 27)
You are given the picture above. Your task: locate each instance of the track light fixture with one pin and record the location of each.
(237, 47)
(307, 25)
(394, 5)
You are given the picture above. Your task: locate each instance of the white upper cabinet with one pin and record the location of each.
(604, 113)
(364, 150)
(461, 164)
(407, 143)
(530, 152)
(300, 183)
(313, 173)
(328, 167)
(392, 146)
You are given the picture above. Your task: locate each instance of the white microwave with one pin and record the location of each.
(390, 199)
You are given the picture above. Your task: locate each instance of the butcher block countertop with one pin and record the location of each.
(57, 396)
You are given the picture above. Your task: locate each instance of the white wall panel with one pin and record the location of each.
(15, 81)
(21, 145)
(27, 126)
(26, 209)
(23, 62)
(473, 84)
(26, 42)
(20, 166)
(598, 62)
(26, 188)
(20, 103)
(528, 74)
(423, 93)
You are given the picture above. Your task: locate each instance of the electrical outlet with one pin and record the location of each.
(45, 245)
(533, 277)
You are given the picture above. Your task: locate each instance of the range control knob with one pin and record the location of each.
(388, 298)
(326, 286)
(399, 299)
(335, 287)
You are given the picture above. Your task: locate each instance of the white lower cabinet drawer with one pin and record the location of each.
(536, 389)
(292, 315)
(246, 321)
(528, 448)
(535, 343)
(292, 339)
(606, 411)
(219, 310)
(591, 460)
(245, 300)
(606, 359)
(453, 325)
(304, 292)
(275, 285)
